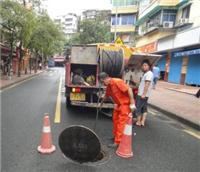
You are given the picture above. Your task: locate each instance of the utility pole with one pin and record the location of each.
(116, 15)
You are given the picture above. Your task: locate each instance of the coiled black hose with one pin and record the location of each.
(111, 62)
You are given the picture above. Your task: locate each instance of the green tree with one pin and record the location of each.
(92, 31)
(30, 29)
(46, 39)
(19, 22)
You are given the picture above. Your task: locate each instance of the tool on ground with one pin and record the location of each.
(46, 146)
(79, 144)
(125, 147)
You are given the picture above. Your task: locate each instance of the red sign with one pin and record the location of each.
(149, 48)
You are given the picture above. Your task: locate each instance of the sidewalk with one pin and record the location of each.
(6, 82)
(177, 101)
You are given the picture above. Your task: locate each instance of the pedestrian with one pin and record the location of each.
(156, 75)
(144, 93)
(124, 103)
(40, 66)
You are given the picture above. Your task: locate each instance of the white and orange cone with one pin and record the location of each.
(125, 147)
(46, 146)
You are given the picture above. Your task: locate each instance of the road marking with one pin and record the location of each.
(58, 104)
(192, 134)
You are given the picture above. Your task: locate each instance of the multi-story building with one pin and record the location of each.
(89, 14)
(93, 13)
(172, 28)
(69, 23)
(123, 19)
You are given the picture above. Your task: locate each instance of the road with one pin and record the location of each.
(164, 145)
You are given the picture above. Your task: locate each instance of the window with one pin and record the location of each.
(131, 2)
(70, 24)
(155, 20)
(118, 3)
(113, 20)
(186, 12)
(123, 2)
(68, 19)
(169, 15)
(124, 19)
(127, 19)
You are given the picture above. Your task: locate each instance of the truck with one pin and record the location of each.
(90, 60)
(87, 59)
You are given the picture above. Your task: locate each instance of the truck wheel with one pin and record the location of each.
(68, 102)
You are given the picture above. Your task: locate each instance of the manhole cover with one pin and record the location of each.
(80, 144)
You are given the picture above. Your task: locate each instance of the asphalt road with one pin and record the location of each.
(164, 145)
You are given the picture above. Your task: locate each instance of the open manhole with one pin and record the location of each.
(80, 144)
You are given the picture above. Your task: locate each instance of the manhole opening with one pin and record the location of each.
(99, 157)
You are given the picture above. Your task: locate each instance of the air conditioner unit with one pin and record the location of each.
(168, 24)
(183, 20)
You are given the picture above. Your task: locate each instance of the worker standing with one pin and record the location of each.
(124, 103)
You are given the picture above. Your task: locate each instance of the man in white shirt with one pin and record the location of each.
(144, 90)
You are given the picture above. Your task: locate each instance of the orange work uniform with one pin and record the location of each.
(118, 90)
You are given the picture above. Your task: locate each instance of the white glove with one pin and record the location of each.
(132, 107)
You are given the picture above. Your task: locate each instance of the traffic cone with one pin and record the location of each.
(46, 146)
(125, 147)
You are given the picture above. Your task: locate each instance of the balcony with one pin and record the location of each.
(124, 10)
(166, 26)
(123, 28)
(182, 22)
(154, 7)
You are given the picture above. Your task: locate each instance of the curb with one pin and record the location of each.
(21, 80)
(176, 117)
(181, 92)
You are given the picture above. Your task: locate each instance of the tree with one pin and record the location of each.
(30, 29)
(92, 31)
(47, 38)
(19, 22)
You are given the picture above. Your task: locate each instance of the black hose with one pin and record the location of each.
(111, 62)
(98, 109)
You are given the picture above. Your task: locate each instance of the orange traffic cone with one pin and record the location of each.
(125, 147)
(46, 146)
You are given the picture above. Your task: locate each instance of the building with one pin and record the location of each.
(123, 19)
(69, 23)
(93, 14)
(172, 28)
(89, 14)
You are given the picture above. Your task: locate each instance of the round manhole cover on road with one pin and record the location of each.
(79, 144)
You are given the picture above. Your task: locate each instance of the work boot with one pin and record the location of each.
(113, 145)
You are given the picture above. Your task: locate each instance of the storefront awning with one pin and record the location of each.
(187, 53)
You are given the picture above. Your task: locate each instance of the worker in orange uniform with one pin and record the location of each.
(124, 103)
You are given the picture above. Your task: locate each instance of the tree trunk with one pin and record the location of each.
(10, 56)
(36, 62)
(20, 58)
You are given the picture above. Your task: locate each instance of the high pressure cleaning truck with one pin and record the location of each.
(84, 65)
